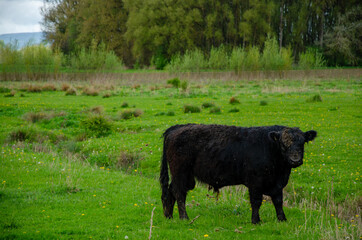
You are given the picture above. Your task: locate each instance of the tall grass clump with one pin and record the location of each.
(219, 58)
(96, 58)
(191, 109)
(310, 59)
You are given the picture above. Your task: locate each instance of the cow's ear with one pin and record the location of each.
(274, 136)
(310, 135)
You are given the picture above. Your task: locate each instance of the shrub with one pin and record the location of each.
(263, 103)
(237, 59)
(312, 58)
(71, 91)
(252, 61)
(234, 100)
(208, 105)
(315, 98)
(219, 58)
(234, 110)
(97, 126)
(175, 82)
(271, 58)
(216, 110)
(190, 61)
(191, 109)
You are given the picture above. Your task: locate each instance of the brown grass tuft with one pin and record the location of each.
(49, 87)
(90, 91)
(65, 87)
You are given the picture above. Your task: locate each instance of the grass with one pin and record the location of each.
(58, 183)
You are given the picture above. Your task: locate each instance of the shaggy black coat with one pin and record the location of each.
(261, 158)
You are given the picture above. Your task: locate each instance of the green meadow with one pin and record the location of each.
(80, 160)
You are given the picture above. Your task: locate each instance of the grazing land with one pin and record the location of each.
(81, 159)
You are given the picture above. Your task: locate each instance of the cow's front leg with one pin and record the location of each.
(181, 200)
(278, 204)
(256, 198)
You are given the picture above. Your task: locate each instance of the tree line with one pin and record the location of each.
(153, 32)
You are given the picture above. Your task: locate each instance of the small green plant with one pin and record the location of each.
(191, 109)
(215, 110)
(97, 126)
(234, 110)
(234, 100)
(263, 103)
(169, 104)
(175, 82)
(208, 105)
(315, 98)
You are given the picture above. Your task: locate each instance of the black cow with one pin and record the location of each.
(261, 158)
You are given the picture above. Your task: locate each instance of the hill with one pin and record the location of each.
(23, 38)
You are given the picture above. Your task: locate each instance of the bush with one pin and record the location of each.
(310, 59)
(191, 109)
(234, 100)
(192, 61)
(65, 87)
(237, 59)
(95, 58)
(175, 82)
(271, 58)
(97, 126)
(219, 58)
(252, 61)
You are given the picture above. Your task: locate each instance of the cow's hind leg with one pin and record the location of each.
(256, 198)
(182, 185)
(169, 202)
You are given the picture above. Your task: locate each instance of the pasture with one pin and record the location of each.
(81, 159)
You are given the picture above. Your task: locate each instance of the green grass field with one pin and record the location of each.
(82, 166)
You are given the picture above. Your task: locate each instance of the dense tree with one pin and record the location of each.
(153, 31)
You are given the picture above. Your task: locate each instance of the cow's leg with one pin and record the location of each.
(181, 186)
(169, 202)
(256, 198)
(278, 204)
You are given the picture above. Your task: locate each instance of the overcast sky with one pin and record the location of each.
(18, 16)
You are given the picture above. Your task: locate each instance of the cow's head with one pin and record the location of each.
(291, 142)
